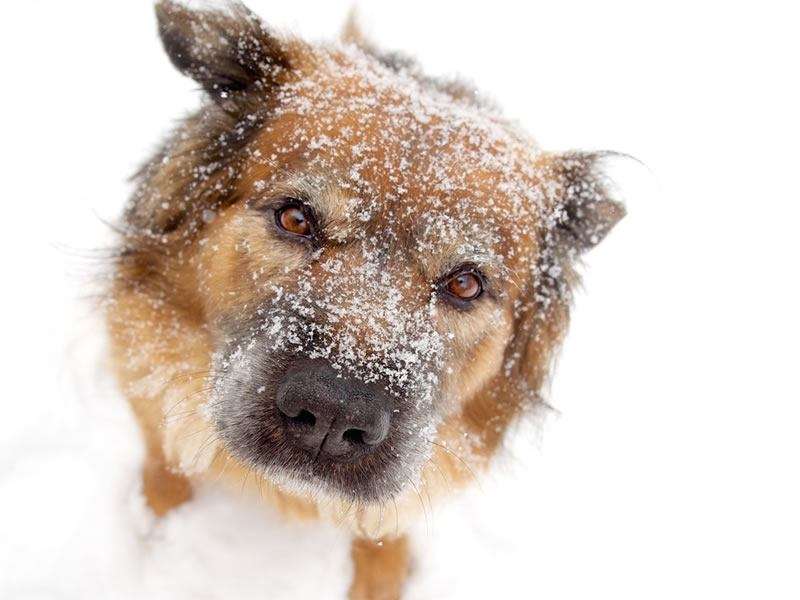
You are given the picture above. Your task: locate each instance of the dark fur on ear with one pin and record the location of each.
(235, 58)
(579, 212)
(585, 211)
(226, 51)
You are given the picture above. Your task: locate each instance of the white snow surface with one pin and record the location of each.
(75, 524)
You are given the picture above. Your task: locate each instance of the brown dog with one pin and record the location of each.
(339, 280)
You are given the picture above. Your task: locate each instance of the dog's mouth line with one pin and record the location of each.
(322, 443)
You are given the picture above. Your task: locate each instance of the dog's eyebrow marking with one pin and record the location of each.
(478, 256)
(333, 208)
(440, 260)
(442, 242)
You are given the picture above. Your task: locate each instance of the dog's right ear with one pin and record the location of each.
(227, 51)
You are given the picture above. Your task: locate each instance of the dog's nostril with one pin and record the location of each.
(304, 417)
(330, 416)
(354, 436)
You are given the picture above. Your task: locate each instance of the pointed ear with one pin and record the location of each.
(226, 51)
(580, 211)
(351, 30)
(352, 33)
(585, 211)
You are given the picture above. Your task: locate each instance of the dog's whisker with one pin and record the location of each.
(446, 480)
(461, 460)
(380, 520)
(208, 441)
(422, 505)
(396, 517)
(244, 481)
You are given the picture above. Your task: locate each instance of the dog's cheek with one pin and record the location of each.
(477, 354)
(238, 263)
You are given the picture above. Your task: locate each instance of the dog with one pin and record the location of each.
(340, 281)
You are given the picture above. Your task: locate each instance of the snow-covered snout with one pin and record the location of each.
(333, 379)
(340, 275)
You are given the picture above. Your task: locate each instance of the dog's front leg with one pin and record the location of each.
(379, 568)
(163, 488)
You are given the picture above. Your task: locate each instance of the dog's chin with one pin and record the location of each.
(320, 479)
(308, 485)
(324, 480)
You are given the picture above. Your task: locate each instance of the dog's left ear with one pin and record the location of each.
(226, 50)
(583, 208)
(579, 211)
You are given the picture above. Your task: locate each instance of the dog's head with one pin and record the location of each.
(375, 265)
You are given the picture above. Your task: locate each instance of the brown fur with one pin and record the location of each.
(381, 568)
(193, 253)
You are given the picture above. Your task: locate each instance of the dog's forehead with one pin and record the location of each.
(405, 156)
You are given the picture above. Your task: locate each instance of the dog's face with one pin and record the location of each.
(380, 264)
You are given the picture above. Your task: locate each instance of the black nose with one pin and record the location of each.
(328, 414)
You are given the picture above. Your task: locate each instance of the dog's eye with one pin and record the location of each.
(465, 285)
(296, 219)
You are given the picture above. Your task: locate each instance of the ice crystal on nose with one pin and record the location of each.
(358, 321)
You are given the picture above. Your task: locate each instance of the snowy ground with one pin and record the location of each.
(671, 470)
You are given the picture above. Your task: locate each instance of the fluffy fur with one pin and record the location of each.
(409, 179)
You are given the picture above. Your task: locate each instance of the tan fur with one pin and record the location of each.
(381, 568)
(180, 276)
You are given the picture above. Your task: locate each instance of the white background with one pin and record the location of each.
(671, 470)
